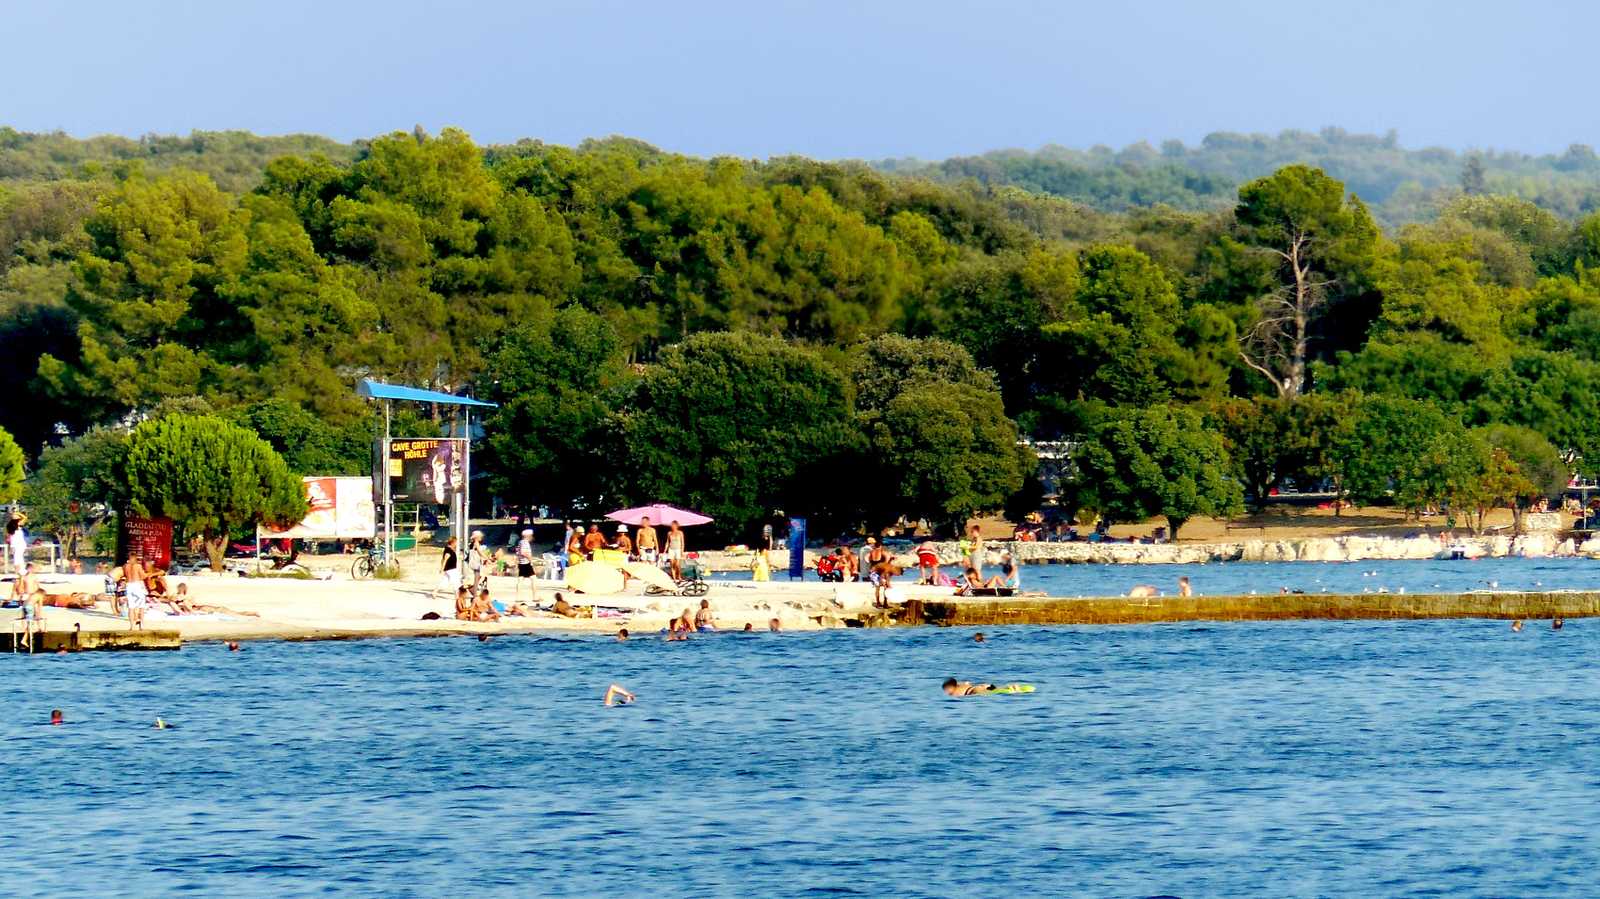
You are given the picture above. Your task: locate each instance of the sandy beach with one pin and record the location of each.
(339, 607)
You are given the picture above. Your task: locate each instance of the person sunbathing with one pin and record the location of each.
(483, 609)
(155, 583)
(186, 606)
(563, 608)
(70, 600)
(973, 581)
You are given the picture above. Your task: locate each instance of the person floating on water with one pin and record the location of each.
(617, 695)
(959, 688)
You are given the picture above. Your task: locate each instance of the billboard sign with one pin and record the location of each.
(339, 509)
(149, 539)
(427, 470)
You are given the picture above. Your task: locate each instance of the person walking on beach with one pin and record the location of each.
(675, 551)
(449, 570)
(645, 540)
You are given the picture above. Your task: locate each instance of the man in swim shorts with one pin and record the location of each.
(645, 541)
(138, 595)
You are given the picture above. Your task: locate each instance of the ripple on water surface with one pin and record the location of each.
(1299, 758)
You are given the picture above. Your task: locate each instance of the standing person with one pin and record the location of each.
(592, 541)
(624, 545)
(574, 546)
(23, 590)
(524, 558)
(877, 560)
(645, 540)
(976, 552)
(138, 595)
(477, 561)
(17, 542)
(449, 570)
(766, 537)
(675, 551)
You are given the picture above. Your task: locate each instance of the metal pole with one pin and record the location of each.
(466, 473)
(388, 504)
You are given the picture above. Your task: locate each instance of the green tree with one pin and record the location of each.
(940, 445)
(151, 295)
(1141, 463)
(1324, 244)
(10, 468)
(558, 378)
(77, 485)
(209, 476)
(309, 444)
(1529, 468)
(1116, 341)
(738, 426)
(1402, 450)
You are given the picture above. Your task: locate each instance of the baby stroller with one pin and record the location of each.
(693, 582)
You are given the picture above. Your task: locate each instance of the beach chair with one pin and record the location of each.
(555, 566)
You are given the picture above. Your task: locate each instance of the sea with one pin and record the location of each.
(1347, 758)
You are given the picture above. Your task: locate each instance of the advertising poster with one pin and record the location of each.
(339, 509)
(427, 470)
(797, 548)
(148, 538)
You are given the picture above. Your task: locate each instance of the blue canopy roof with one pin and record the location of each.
(380, 391)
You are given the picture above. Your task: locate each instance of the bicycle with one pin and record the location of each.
(371, 562)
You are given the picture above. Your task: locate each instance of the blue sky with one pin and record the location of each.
(868, 79)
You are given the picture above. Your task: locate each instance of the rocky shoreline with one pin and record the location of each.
(1305, 549)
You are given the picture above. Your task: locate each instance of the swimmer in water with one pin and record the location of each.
(1183, 587)
(617, 695)
(953, 687)
(56, 717)
(162, 725)
(233, 645)
(1145, 590)
(978, 637)
(622, 635)
(1516, 626)
(1557, 624)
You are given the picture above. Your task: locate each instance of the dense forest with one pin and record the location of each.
(1400, 186)
(750, 336)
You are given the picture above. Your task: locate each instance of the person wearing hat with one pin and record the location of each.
(17, 541)
(623, 544)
